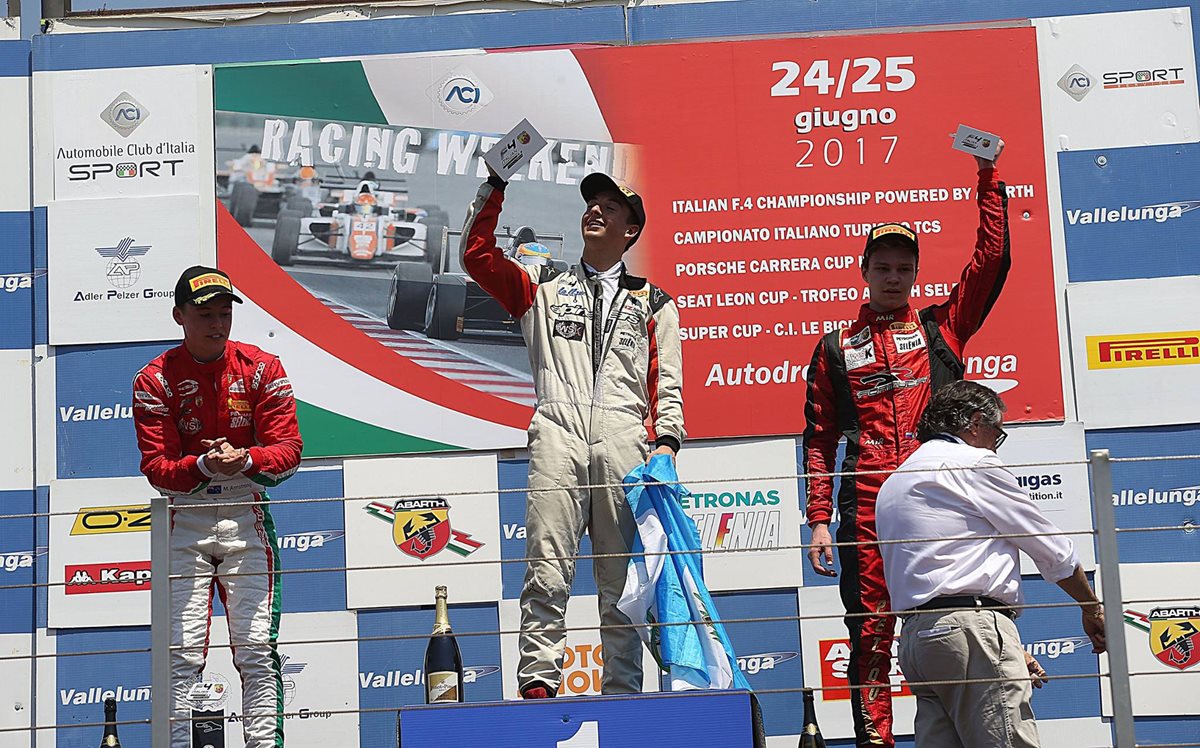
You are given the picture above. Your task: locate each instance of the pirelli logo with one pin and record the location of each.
(1143, 349)
(209, 279)
(102, 520)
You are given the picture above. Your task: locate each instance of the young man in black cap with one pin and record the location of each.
(870, 382)
(216, 422)
(604, 350)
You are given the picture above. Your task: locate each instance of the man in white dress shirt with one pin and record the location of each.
(956, 489)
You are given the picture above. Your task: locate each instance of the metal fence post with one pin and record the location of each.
(1108, 560)
(160, 622)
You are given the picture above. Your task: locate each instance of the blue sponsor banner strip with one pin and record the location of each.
(662, 22)
(20, 556)
(334, 39)
(1130, 212)
(93, 408)
(768, 653)
(696, 718)
(1054, 636)
(82, 683)
(14, 59)
(390, 671)
(16, 280)
(514, 474)
(1154, 494)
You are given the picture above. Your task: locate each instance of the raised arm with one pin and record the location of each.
(503, 279)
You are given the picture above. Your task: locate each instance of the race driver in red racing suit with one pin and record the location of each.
(870, 383)
(216, 421)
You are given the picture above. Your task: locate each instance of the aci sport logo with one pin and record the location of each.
(125, 114)
(1172, 633)
(421, 527)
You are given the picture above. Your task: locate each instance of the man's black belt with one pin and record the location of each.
(968, 602)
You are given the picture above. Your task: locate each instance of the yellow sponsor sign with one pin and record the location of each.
(101, 520)
(1143, 349)
(210, 279)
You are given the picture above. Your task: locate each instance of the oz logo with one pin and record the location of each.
(125, 114)
(421, 527)
(122, 270)
(460, 92)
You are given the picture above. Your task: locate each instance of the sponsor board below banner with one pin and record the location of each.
(835, 666)
(100, 520)
(1173, 634)
(1143, 349)
(126, 576)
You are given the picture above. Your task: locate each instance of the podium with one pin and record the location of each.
(691, 719)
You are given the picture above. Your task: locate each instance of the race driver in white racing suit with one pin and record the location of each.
(605, 355)
(216, 422)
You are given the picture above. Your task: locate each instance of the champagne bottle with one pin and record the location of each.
(110, 739)
(810, 733)
(443, 661)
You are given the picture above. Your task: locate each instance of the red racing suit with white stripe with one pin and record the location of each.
(245, 397)
(598, 381)
(870, 383)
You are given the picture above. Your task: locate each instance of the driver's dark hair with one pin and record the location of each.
(951, 408)
(886, 243)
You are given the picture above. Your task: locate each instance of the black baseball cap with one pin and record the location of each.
(596, 182)
(200, 285)
(894, 233)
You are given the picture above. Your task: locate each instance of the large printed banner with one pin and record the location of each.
(762, 164)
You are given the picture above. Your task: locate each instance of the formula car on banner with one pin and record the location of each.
(444, 302)
(252, 187)
(357, 222)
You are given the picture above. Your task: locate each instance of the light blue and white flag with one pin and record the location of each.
(670, 588)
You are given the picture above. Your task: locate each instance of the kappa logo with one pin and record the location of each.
(421, 527)
(125, 114)
(122, 270)
(1172, 633)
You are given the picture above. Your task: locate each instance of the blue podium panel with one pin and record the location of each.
(697, 719)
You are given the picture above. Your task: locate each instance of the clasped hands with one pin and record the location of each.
(223, 458)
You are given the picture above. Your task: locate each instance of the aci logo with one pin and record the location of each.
(125, 114)
(461, 92)
(421, 527)
(1076, 82)
(122, 270)
(1173, 634)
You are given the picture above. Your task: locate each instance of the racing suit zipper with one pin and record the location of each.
(891, 395)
